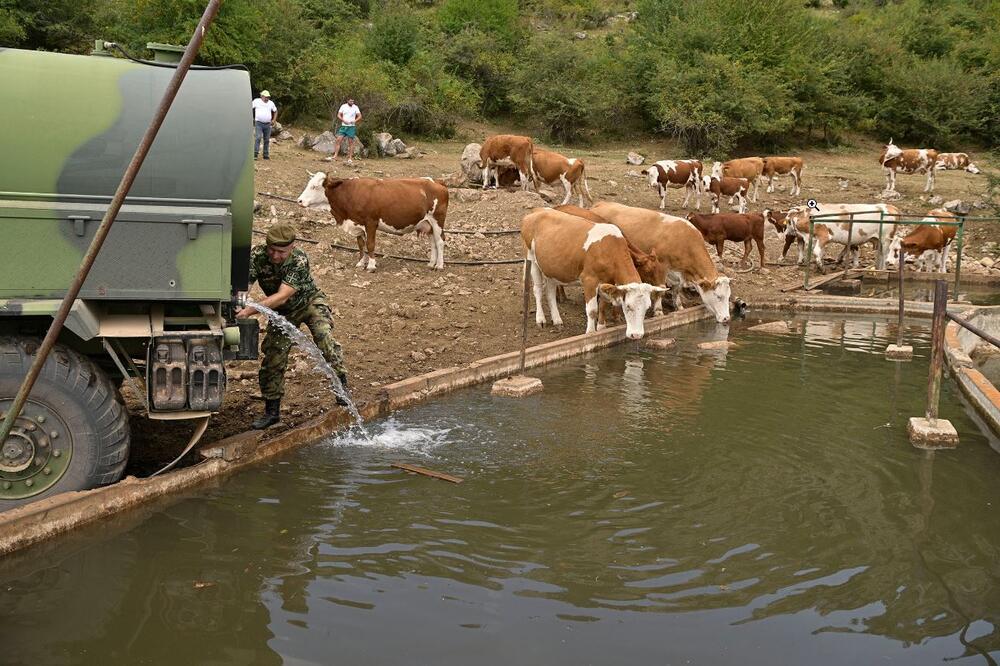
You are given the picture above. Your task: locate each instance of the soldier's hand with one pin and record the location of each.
(246, 312)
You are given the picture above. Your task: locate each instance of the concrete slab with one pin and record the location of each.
(517, 386)
(660, 343)
(779, 327)
(940, 435)
(899, 353)
(717, 345)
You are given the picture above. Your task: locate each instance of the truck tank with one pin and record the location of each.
(154, 310)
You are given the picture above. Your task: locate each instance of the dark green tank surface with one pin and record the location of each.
(761, 506)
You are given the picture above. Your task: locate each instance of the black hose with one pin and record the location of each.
(117, 47)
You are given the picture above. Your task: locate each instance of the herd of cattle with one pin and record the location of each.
(626, 256)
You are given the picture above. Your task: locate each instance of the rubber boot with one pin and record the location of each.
(340, 399)
(272, 414)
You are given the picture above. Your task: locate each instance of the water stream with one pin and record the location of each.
(309, 348)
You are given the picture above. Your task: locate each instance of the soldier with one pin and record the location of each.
(282, 271)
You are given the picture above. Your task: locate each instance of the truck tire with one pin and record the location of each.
(73, 432)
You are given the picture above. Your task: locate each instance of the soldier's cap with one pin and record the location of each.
(264, 93)
(281, 235)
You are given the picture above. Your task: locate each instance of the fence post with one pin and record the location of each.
(809, 252)
(958, 256)
(524, 316)
(850, 235)
(899, 351)
(931, 432)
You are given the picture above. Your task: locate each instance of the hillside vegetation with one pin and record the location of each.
(720, 75)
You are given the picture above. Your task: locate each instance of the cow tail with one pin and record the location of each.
(531, 169)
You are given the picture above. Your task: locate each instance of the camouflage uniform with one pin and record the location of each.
(307, 306)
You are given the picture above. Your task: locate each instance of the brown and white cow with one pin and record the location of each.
(676, 173)
(954, 161)
(872, 224)
(782, 166)
(912, 160)
(750, 168)
(563, 248)
(928, 243)
(552, 168)
(747, 228)
(360, 206)
(717, 187)
(679, 246)
(517, 149)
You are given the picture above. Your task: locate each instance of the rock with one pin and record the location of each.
(517, 386)
(276, 128)
(324, 143)
(285, 136)
(580, 35)
(635, 159)
(305, 141)
(408, 154)
(470, 163)
(936, 200)
(632, 173)
(957, 206)
(467, 195)
(987, 262)
(383, 143)
(397, 145)
(418, 356)
(771, 327)
(716, 345)
(844, 184)
(612, 183)
(257, 206)
(660, 343)
(890, 196)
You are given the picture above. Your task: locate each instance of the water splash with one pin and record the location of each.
(391, 435)
(309, 348)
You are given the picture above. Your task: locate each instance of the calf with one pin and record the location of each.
(717, 186)
(362, 205)
(913, 160)
(679, 246)
(929, 243)
(563, 248)
(518, 149)
(742, 228)
(830, 229)
(750, 168)
(552, 167)
(676, 173)
(781, 166)
(952, 161)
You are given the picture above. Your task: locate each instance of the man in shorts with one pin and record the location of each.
(349, 116)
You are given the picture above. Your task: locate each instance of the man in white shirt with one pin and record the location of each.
(264, 112)
(349, 116)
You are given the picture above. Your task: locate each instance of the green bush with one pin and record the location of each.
(498, 18)
(394, 35)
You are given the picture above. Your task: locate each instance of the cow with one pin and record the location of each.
(836, 229)
(360, 206)
(952, 161)
(745, 228)
(563, 248)
(679, 246)
(750, 168)
(912, 160)
(552, 168)
(780, 221)
(518, 149)
(717, 186)
(676, 173)
(929, 243)
(781, 166)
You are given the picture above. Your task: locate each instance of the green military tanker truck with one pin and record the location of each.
(157, 308)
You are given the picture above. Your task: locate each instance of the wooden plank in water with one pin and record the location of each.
(427, 472)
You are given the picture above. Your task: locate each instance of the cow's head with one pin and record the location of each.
(717, 170)
(776, 217)
(314, 196)
(635, 299)
(652, 174)
(715, 296)
(651, 269)
(892, 252)
(889, 151)
(972, 168)
(706, 181)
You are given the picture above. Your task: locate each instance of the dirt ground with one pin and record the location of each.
(406, 319)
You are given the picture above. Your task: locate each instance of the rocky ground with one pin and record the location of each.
(406, 319)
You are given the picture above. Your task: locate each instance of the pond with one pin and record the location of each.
(977, 293)
(756, 506)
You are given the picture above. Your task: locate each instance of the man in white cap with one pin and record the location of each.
(264, 113)
(349, 116)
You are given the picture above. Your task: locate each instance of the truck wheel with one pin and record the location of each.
(72, 433)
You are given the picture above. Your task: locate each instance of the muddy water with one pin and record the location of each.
(760, 506)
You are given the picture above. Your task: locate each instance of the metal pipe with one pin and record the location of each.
(524, 315)
(809, 252)
(109, 218)
(958, 255)
(937, 349)
(899, 330)
(975, 329)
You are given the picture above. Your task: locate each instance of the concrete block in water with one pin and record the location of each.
(517, 386)
(771, 327)
(660, 343)
(899, 353)
(721, 345)
(924, 435)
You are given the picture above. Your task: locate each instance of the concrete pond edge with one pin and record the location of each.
(45, 519)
